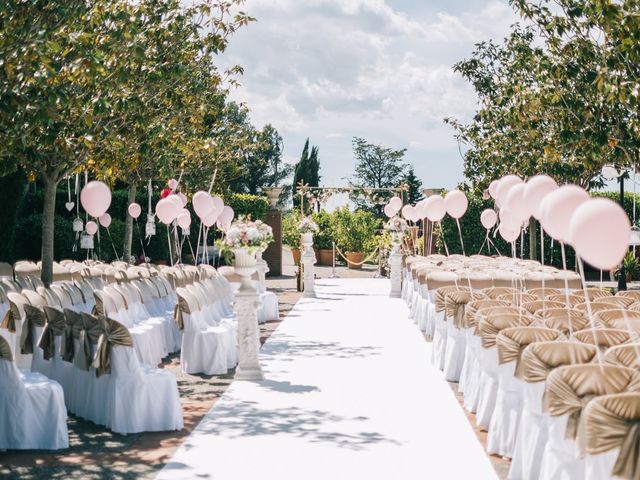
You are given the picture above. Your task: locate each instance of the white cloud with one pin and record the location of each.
(333, 69)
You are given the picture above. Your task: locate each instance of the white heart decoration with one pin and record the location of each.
(70, 205)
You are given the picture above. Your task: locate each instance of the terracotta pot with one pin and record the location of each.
(356, 257)
(297, 253)
(326, 257)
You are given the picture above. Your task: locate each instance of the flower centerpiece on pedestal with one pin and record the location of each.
(306, 228)
(245, 239)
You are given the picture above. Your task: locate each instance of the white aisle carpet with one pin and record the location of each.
(350, 394)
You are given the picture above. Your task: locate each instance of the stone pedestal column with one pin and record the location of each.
(246, 305)
(262, 268)
(308, 260)
(273, 253)
(395, 265)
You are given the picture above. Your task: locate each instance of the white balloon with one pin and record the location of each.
(505, 185)
(515, 202)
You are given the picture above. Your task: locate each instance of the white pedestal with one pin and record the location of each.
(308, 260)
(395, 265)
(246, 304)
(263, 269)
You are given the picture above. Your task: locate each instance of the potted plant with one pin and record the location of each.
(323, 239)
(631, 267)
(290, 235)
(353, 229)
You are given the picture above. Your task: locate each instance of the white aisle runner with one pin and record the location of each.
(350, 394)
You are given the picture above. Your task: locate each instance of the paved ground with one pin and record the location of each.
(348, 394)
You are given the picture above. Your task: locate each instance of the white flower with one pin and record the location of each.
(253, 235)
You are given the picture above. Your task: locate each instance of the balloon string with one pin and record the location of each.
(587, 300)
(566, 286)
(169, 245)
(144, 254)
(112, 244)
(444, 241)
(213, 179)
(486, 237)
(460, 233)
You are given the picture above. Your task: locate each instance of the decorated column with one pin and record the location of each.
(247, 302)
(246, 240)
(397, 228)
(307, 228)
(263, 269)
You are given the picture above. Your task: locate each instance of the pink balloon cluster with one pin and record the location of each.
(212, 210)
(598, 229)
(95, 198)
(392, 207)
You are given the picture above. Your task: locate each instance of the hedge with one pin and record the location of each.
(27, 233)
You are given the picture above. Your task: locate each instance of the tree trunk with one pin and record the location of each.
(533, 238)
(48, 216)
(128, 225)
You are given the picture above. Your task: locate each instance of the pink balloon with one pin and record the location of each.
(91, 227)
(172, 183)
(456, 203)
(202, 204)
(134, 210)
(183, 198)
(211, 219)
(488, 218)
(515, 202)
(105, 220)
(509, 218)
(537, 188)
(165, 211)
(599, 231)
(95, 198)
(435, 209)
(218, 204)
(506, 183)
(389, 211)
(396, 203)
(407, 212)
(558, 207)
(226, 217)
(184, 219)
(493, 188)
(508, 232)
(421, 209)
(177, 202)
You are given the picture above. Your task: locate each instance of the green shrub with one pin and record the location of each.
(325, 235)
(290, 235)
(353, 230)
(245, 204)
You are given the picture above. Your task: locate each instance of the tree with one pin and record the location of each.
(81, 79)
(307, 171)
(376, 167)
(262, 164)
(414, 186)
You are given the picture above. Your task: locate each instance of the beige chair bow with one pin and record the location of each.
(603, 337)
(622, 319)
(456, 302)
(496, 292)
(567, 324)
(539, 306)
(75, 326)
(543, 293)
(476, 305)
(92, 329)
(490, 326)
(540, 358)
(519, 298)
(627, 355)
(186, 305)
(565, 299)
(55, 326)
(115, 334)
(570, 388)
(5, 350)
(613, 421)
(512, 341)
(34, 317)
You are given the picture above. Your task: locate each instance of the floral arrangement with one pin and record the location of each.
(396, 224)
(247, 234)
(307, 225)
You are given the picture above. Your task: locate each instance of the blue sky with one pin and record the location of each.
(334, 69)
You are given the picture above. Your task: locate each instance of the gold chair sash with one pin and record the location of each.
(542, 293)
(34, 317)
(89, 335)
(441, 296)
(540, 305)
(519, 298)
(476, 305)
(490, 326)
(495, 292)
(512, 341)
(613, 421)
(13, 314)
(5, 350)
(55, 326)
(456, 302)
(566, 324)
(603, 337)
(564, 298)
(540, 358)
(593, 293)
(182, 307)
(570, 388)
(115, 334)
(74, 329)
(626, 355)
